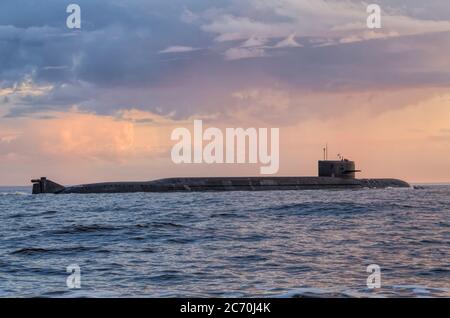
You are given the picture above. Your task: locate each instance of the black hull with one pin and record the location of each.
(219, 184)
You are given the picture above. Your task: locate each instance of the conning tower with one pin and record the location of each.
(337, 168)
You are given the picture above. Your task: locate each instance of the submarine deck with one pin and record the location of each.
(218, 184)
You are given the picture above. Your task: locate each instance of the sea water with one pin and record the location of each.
(226, 244)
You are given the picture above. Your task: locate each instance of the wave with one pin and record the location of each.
(97, 228)
(40, 250)
(16, 193)
(25, 215)
(157, 225)
(313, 292)
(387, 291)
(92, 228)
(322, 207)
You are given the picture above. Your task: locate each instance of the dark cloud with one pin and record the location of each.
(114, 61)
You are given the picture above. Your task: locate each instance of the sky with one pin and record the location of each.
(99, 103)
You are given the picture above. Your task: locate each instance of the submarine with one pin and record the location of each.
(332, 174)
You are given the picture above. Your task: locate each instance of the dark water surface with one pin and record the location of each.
(292, 243)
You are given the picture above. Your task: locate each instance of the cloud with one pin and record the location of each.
(288, 42)
(116, 61)
(244, 53)
(188, 16)
(8, 138)
(254, 41)
(178, 49)
(231, 28)
(307, 18)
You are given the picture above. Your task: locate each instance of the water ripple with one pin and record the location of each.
(279, 244)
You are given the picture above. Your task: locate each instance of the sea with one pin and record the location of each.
(322, 243)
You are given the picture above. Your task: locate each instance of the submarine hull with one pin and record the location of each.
(44, 185)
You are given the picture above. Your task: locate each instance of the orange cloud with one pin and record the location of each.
(75, 144)
(411, 142)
